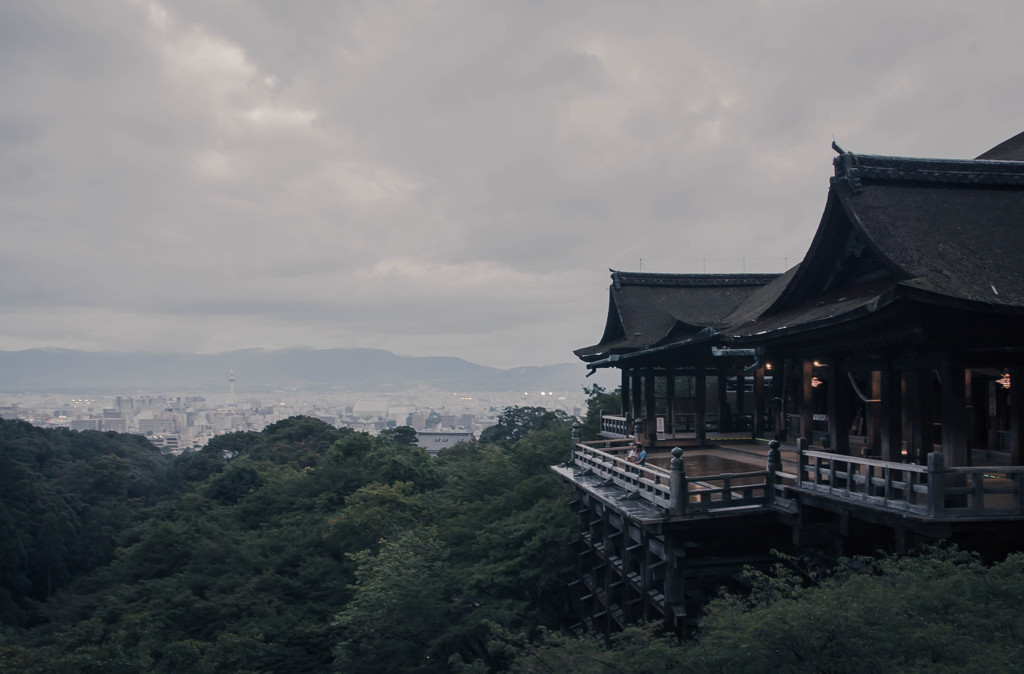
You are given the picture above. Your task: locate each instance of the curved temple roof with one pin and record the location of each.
(645, 309)
(937, 232)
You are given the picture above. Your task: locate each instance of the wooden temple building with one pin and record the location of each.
(889, 364)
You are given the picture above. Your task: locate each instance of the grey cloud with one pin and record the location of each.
(207, 175)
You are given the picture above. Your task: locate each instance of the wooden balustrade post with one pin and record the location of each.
(936, 484)
(801, 447)
(774, 465)
(678, 490)
(573, 441)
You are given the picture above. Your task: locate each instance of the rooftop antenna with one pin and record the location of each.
(232, 401)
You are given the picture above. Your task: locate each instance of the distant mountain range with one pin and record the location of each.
(259, 370)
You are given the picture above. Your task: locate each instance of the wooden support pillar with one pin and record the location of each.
(977, 410)
(840, 407)
(899, 540)
(724, 424)
(954, 403)
(670, 394)
(624, 393)
(807, 404)
(919, 403)
(646, 576)
(650, 424)
(759, 403)
(637, 395)
(675, 583)
(741, 384)
(780, 396)
(906, 425)
(874, 414)
(701, 391)
(890, 413)
(1016, 412)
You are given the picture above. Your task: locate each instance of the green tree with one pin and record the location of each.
(402, 600)
(374, 512)
(599, 400)
(234, 484)
(941, 611)
(516, 422)
(402, 436)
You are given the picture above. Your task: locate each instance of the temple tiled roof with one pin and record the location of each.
(647, 309)
(946, 232)
(935, 232)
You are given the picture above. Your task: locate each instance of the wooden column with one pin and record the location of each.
(781, 388)
(890, 413)
(637, 395)
(873, 412)
(701, 404)
(624, 391)
(741, 384)
(650, 425)
(840, 407)
(675, 581)
(759, 403)
(954, 404)
(905, 421)
(977, 410)
(1016, 410)
(807, 405)
(723, 403)
(920, 403)
(670, 395)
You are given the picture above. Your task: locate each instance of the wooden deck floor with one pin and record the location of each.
(725, 458)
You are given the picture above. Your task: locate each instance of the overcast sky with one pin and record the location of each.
(444, 178)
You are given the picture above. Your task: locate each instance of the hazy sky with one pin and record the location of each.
(444, 178)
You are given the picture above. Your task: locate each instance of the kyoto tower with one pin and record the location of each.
(232, 401)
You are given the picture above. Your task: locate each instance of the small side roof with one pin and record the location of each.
(646, 309)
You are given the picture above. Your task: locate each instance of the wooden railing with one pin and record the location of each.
(978, 491)
(928, 492)
(648, 482)
(933, 491)
(655, 485)
(729, 490)
(614, 425)
(893, 486)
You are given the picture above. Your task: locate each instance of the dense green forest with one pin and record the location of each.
(300, 548)
(305, 548)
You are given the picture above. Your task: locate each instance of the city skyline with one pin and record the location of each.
(449, 178)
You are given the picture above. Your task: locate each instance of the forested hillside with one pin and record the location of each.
(299, 549)
(306, 548)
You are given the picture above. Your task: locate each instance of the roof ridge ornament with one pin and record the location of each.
(846, 168)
